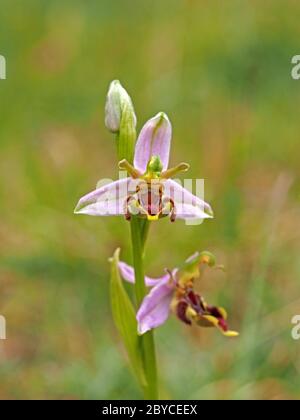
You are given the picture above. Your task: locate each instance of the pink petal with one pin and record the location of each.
(154, 140)
(188, 205)
(155, 308)
(107, 200)
(192, 257)
(185, 212)
(127, 272)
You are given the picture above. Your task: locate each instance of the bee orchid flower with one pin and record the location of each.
(148, 191)
(175, 292)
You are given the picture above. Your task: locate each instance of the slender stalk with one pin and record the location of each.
(145, 225)
(139, 230)
(151, 392)
(138, 259)
(119, 103)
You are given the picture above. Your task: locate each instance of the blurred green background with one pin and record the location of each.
(221, 71)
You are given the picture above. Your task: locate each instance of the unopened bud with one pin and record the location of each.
(120, 119)
(118, 102)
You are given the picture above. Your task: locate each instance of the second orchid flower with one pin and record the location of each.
(175, 291)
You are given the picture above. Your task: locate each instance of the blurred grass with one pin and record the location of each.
(221, 70)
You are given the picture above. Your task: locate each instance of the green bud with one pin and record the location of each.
(113, 107)
(120, 119)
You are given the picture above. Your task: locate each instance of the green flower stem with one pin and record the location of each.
(149, 356)
(144, 226)
(138, 259)
(139, 231)
(121, 120)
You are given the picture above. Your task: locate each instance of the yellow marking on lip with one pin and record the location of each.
(190, 313)
(231, 334)
(152, 218)
(211, 319)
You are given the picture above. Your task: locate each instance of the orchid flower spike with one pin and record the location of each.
(174, 292)
(148, 191)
